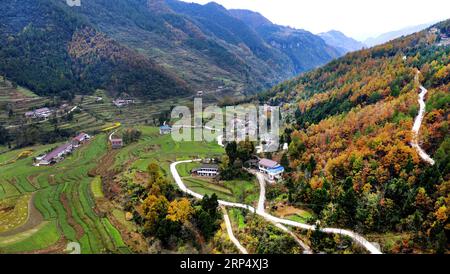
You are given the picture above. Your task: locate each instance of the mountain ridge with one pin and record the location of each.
(391, 35)
(340, 41)
(197, 47)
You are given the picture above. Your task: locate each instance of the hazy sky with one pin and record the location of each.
(357, 18)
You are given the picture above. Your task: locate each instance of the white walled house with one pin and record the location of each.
(206, 171)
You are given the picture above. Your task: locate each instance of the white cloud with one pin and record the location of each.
(357, 18)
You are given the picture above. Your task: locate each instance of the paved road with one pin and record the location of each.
(262, 208)
(418, 123)
(112, 134)
(262, 191)
(230, 232)
(356, 237)
(306, 248)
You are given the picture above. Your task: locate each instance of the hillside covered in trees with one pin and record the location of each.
(50, 49)
(154, 48)
(350, 153)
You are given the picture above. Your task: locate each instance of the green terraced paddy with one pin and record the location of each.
(65, 196)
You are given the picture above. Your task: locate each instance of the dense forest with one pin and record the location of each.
(350, 157)
(51, 50)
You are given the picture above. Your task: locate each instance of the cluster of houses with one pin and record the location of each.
(45, 112)
(272, 170)
(444, 39)
(41, 113)
(58, 154)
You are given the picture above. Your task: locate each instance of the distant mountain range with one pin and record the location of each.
(152, 48)
(386, 37)
(304, 49)
(341, 42)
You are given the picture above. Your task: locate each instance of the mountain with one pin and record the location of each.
(47, 47)
(385, 37)
(341, 42)
(304, 49)
(152, 48)
(349, 125)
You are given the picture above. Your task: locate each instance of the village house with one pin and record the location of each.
(54, 156)
(29, 114)
(165, 130)
(122, 102)
(80, 139)
(272, 169)
(41, 113)
(58, 154)
(206, 170)
(116, 143)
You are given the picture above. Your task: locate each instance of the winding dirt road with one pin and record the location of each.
(230, 232)
(356, 237)
(418, 124)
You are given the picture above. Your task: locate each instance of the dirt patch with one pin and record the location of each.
(78, 229)
(132, 239)
(51, 180)
(6, 209)
(286, 210)
(141, 178)
(103, 169)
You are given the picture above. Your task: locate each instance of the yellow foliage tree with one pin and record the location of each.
(180, 210)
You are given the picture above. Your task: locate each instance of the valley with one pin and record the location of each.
(89, 163)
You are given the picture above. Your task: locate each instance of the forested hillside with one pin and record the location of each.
(161, 48)
(350, 150)
(51, 50)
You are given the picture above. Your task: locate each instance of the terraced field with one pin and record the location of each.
(19, 99)
(141, 112)
(62, 199)
(153, 147)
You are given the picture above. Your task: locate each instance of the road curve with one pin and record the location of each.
(418, 123)
(230, 233)
(262, 208)
(262, 191)
(356, 237)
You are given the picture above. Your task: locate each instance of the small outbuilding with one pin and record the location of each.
(165, 130)
(116, 143)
